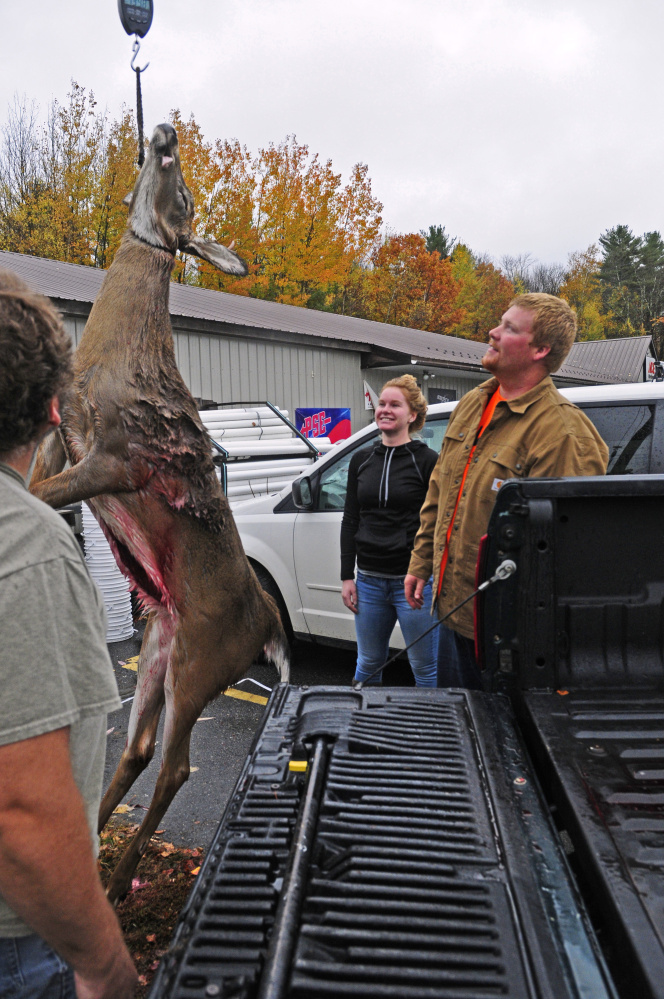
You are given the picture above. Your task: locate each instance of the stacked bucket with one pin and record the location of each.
(113, 585)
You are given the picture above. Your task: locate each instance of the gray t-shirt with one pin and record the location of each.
(54, 665)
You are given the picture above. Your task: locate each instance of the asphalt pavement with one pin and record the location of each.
(221, 738)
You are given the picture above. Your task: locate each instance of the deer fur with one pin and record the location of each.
(139, 455)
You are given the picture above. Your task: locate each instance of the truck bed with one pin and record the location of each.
(600, 755)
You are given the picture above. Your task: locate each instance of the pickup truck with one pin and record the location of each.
(295, 549)
(449, 844)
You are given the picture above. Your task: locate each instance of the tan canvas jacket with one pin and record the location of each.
(539, 434)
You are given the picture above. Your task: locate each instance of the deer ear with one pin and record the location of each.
(128, 198)
(219, 256)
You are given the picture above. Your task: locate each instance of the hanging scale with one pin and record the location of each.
(136, 17)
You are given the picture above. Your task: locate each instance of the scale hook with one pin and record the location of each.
(135, 49)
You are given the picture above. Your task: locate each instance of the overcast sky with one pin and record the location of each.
(520, 125)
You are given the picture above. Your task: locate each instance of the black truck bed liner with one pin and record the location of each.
(576, 636)
(432, 869)
(600, 754)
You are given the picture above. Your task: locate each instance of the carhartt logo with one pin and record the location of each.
(497, 483)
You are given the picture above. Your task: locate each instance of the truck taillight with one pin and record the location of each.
(480, 572)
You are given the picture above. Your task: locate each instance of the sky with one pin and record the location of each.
(522, 126)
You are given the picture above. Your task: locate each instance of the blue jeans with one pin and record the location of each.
(29, 969)
(380, 604)
(457, 666)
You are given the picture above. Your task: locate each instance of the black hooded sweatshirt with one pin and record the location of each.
(386, 489)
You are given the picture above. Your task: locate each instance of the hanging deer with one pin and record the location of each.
(140, 457)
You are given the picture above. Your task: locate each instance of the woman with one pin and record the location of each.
(386, 488)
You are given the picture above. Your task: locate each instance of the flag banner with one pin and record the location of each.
(328, 422)
(370, 397)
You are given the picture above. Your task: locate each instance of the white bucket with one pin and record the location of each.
(113, 585)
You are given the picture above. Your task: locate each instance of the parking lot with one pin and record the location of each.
(220, 739)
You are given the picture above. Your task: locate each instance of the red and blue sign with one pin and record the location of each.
(332, 423)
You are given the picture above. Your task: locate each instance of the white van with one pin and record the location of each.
(295, 549)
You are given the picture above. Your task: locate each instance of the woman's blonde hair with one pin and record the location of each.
(413, 395)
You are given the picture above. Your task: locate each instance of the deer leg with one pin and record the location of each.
(94, 475)
(51, 458)
(184, 703)
(145, 711)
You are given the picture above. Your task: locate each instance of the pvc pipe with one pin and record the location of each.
(260, 412)
(255, 433)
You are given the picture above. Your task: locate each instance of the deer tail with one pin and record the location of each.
(277, 651)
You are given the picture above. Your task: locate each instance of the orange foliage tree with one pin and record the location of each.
(300, 231)
(484, 294)
(408, 286)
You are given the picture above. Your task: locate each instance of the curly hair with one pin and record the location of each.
(413, 396)
(35, 361)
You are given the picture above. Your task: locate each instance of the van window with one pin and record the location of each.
(334, 478)
(627, 431)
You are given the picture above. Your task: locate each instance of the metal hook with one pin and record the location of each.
(135, 49)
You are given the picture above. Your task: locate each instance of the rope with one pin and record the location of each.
(139, 117)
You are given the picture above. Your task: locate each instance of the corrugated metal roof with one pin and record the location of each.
(610, 361)
(81, 284)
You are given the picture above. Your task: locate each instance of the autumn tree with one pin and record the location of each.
(484, 295)
(301, 232)
(408, 286)
(58, 191)
(581, 288)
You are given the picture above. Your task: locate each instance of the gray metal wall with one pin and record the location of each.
(235, 369)
(460, 381)
(229, 369)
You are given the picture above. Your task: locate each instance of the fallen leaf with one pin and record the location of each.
(109, 730)
(151, 937)
(137, 884)
(195, 870)
(192, 770)
(158, 832)
(208, 718)
(123, 809)
(142, 979)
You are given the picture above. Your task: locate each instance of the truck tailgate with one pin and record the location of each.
(414, 859)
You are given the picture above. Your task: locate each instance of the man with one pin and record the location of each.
(58, 934)
(515, 425)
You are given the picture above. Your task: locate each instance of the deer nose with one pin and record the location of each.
(166, 162)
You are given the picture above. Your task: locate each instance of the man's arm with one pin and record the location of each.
(48, 874)
(571, 455)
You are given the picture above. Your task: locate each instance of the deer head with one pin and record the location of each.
(162, 209)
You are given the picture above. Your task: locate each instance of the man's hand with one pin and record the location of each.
(349, 594)
(119, 982)
(413, 588)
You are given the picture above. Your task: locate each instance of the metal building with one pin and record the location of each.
(233, 349)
